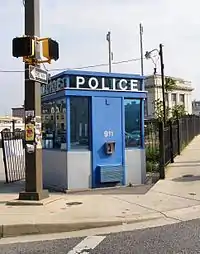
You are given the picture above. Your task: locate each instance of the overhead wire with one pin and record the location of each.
(76, 68)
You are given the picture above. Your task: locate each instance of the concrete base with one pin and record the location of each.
(33, 196)
(44, 202)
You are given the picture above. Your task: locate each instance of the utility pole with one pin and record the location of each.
(141, 49)
(33, 153)
(142, 67)
(162, 81)
(110, 54)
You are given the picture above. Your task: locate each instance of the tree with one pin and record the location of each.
(178, 111)
(170, 85)
(159, 112)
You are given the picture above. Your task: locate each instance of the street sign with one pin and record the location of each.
(38, 74)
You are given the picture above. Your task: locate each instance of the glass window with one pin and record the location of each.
(79, 122)
(166, 97)
(182, 99)
(132, 122)
(53, 125)
(173, 99)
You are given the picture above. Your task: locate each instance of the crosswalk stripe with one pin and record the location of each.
(89, 243)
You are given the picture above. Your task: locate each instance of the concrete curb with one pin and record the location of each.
(14, 230)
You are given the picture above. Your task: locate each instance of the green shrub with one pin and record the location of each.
(152, 154)
(152, 166)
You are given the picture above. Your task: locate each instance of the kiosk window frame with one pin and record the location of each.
(54, 124)
(80, 126)
(133, 128)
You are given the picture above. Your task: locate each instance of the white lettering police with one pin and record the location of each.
(100, 84)
(90, 83)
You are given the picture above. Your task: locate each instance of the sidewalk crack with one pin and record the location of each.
(178, 196)
(149, 208)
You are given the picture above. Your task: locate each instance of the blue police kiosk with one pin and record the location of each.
(93, 130)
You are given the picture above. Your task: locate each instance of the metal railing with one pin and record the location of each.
(152, 145)
(168, 141)
(13, 155)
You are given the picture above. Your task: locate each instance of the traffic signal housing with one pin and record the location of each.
(23, 47)
(50, 49)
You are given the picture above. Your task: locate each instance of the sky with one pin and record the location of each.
(80, 27)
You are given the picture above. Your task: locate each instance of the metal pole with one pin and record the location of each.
(55, 122)
(162, 81)
(141, 49)
(162, 150)
(109, 51)
(142, 66)
(33, 153)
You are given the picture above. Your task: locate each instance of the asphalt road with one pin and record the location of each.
(177, 238)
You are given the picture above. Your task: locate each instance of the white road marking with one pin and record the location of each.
(89, 243)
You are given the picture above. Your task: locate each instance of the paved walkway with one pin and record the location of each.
(176, 198)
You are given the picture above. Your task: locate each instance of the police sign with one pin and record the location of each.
(91, 83)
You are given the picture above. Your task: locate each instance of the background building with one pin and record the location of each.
(196, 107)
(181, 95)
(6, 123)
(18, 112)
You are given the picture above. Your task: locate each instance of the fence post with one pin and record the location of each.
(194, 125)
(171, 141)
(162, 150)
(178, 138)
(187, 131)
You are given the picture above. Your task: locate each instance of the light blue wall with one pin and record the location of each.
(107, 126)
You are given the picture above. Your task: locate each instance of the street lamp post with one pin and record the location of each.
(110, 54)
(163, 81)
(160, 53)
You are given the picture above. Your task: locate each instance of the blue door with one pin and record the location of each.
(107, 142)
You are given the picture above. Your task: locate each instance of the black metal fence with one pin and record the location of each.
(152, 144)
(165, 142)
(13, 155)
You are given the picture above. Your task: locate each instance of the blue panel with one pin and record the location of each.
(123, 139)
(68, 122)
(107, 126)
(142, 125)
(75, 92)
(53, 96)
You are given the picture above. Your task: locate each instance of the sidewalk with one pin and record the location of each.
(177, 198)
